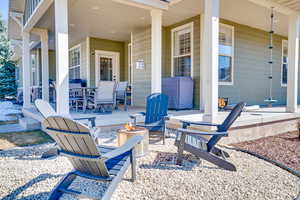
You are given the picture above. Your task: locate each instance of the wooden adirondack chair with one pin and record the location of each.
(155, 115)
(99, 163)
(197, 142)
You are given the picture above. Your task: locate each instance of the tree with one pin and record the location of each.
(8, 85)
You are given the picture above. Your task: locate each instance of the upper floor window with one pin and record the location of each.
(284, 65)
(226, 54)
(74, 63)
(182, 50)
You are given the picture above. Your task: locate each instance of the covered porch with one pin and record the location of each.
(58, 26)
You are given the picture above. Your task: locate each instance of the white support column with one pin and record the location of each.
(45, 65)
(210, 58)
(293, 62)
(202, 66)
(62, 56)
(26, 69)
(156, 38)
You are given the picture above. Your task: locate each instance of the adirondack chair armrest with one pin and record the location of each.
(140, 114)
(129, 145)
(195, 132)
(136, 115)
(92, 120)
(188, 123)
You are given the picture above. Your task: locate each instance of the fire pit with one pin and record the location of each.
(129, 131)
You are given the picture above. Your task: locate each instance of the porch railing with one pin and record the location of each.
(30, 6)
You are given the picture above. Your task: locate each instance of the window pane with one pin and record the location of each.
(182, 42)
(74, 62)
(182, 66)
(284, 62)
(225, 53)
(284, 73)
(225, 64)
(225, 41)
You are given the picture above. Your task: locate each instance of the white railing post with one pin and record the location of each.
(293, 60)
(62, 56)
(156, 39)
(45, 65)
(26, 69)
(210, 58)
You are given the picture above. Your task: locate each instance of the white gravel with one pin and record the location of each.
(23, 175)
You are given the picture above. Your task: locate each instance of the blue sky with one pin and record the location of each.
(4, 8)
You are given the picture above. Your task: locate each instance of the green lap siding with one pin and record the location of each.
(251, 68)
(141, 51)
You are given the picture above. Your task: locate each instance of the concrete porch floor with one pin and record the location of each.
(250, 125)
(120, 117)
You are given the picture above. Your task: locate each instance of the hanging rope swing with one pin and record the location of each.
(270, 101)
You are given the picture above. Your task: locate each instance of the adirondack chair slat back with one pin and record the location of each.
(75, 139)
(46, 109)
(230, 119)
(157, 107)
(106, 90)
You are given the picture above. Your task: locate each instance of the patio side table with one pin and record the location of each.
(143, 147)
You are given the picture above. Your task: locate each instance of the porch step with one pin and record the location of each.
(29, 124)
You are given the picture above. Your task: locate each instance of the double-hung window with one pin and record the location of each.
(284, 65)
(74, 63)
(182, 50)
(226, 54)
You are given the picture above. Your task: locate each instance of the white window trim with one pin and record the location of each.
(191, 25)
(283, 42)
(78, 46)
(232, 56)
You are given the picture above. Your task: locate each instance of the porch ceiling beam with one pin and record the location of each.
(18, 43)
(146, 4)
(37, 14)
(17, 17)
(277, 6)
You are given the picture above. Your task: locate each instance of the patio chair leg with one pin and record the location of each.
(164, 136)
(181, 148)
(133, 165)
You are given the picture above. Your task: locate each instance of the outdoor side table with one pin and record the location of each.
(142, 148)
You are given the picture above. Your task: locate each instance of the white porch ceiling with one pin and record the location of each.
(292, 4)
(111, 20)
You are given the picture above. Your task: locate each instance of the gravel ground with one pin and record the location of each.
(23, 175)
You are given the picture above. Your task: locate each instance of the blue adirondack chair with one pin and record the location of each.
(155, 115)
(193, 141)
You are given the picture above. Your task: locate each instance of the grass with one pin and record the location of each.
(21, 139)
